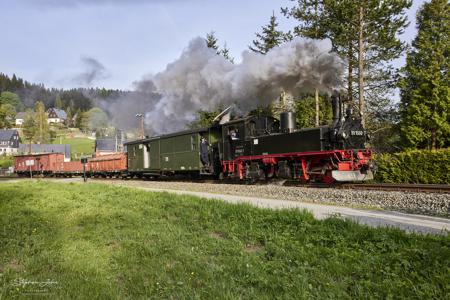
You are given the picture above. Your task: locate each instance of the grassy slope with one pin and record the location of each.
(109, 242)
(79, 146)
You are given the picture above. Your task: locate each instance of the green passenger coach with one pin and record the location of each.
(172, 153)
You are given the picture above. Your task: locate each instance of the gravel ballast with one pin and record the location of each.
(411, 202)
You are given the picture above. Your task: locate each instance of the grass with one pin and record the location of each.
(79, 146)
(103, 242)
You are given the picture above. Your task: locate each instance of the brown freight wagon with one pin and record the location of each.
(108, 165)
(70, 168)
(44, 164)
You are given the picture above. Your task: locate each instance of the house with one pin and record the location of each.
(56, 115)
(105, 146)
(20, 117)
(9, 141)
(46, 148)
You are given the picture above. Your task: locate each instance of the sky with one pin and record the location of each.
(112, 43)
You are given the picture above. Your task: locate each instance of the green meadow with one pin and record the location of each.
(93, 241)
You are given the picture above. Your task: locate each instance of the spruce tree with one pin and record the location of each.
(225, 52)
(270, 37)
(58, 102)
(364, 32)
(211, 41)
(425, 86)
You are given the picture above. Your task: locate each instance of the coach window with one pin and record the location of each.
(193, 142)
(251, 128)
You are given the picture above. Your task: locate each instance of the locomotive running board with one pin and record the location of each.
(343, 176)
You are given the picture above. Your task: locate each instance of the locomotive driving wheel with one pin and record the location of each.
(328, 178)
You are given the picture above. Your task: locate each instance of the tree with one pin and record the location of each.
(97, 119)
(58, 102)
(204, 118)
(270, 37)
(364, 32)
(225, 52)
(4, 122)
(29, 125)
(305, 109)
(11, 99)
(425, 85)
(7, 115)
(69, 120)
(211, 41)
(81, 120)
(42, 130)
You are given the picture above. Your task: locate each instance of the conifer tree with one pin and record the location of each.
(270, 37)
(211, 41)
(58, 102)
(425, 86)
(225, 52)
(364, 32)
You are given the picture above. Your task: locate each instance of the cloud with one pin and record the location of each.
(94, 71)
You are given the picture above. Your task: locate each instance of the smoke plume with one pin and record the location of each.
(94, 71)
(201, 79)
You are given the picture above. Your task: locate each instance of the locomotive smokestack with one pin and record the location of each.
(336, 106)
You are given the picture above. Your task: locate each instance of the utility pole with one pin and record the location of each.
(317, 107)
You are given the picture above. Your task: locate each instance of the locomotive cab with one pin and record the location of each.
(237, 135)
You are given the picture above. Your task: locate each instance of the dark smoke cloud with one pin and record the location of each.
(94, 71)
(124, 107)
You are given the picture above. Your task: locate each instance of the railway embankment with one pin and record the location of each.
(434, 204)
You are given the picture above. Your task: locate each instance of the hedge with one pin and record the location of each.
(416, 166)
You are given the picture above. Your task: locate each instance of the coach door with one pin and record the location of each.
(146, 155)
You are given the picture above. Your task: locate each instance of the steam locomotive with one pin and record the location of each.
(250, 148)
(260, 148)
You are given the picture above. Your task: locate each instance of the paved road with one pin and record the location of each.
(408, 222)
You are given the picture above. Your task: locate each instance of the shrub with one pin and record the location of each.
(5, 161)
(416, 166)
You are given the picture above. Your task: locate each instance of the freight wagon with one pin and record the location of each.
(108, 165)
(37, 164)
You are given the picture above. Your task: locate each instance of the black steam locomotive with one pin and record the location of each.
(259, 148)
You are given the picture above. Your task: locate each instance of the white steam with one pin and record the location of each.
(201, 79)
